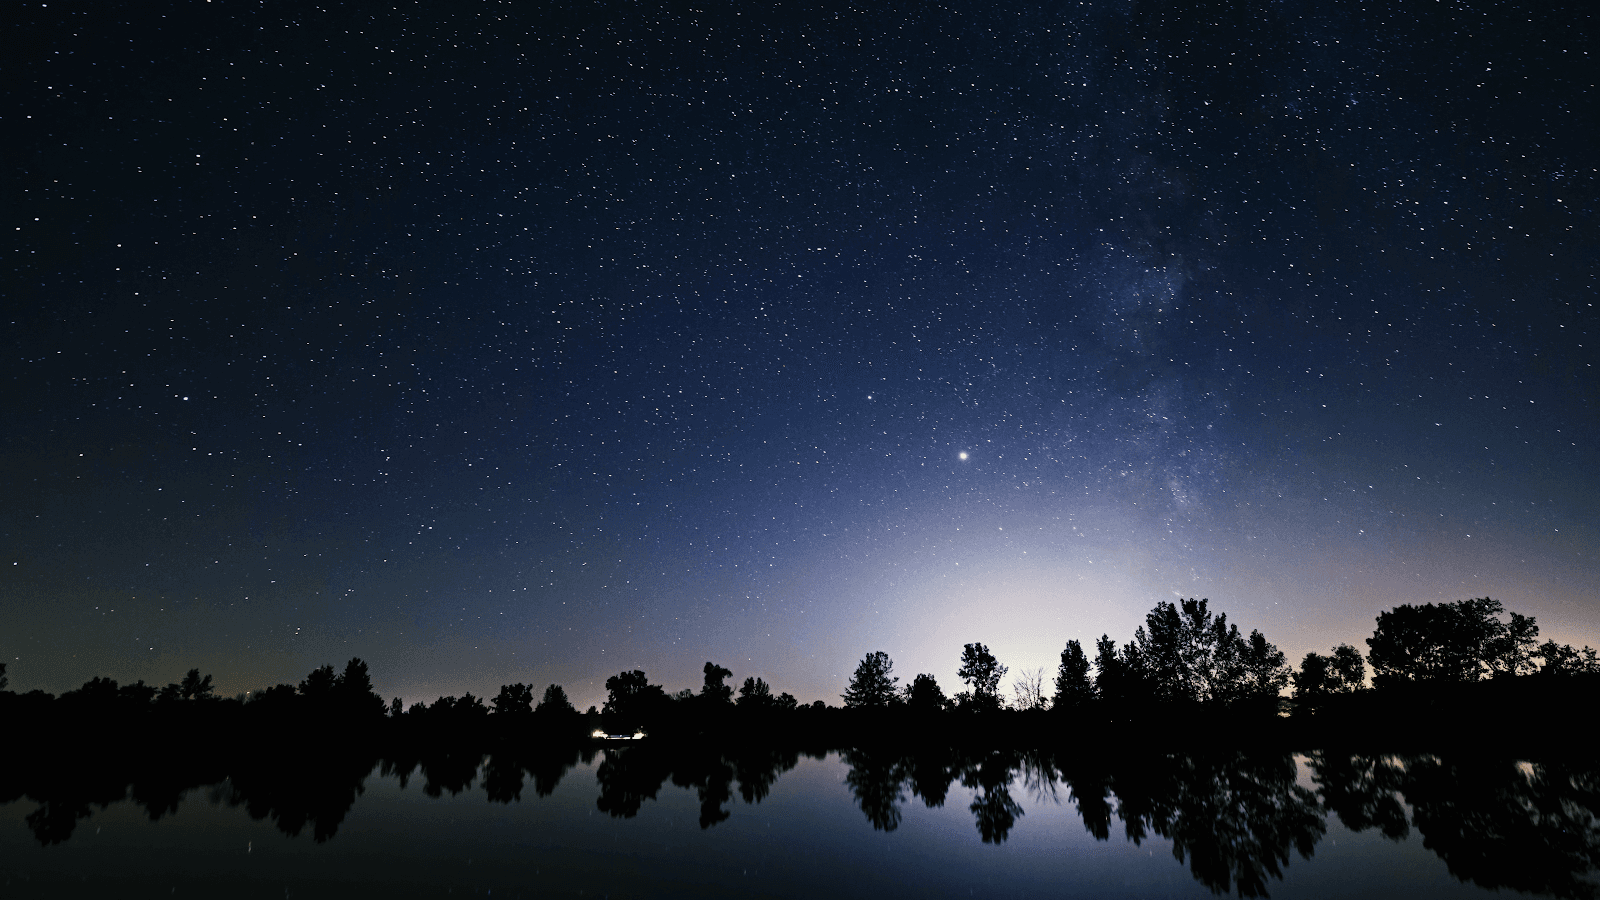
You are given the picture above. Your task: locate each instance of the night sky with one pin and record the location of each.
(535, 342)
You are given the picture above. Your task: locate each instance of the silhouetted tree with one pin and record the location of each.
(1563, 659)
(555, 702)
(872, 685)
(1266, 673)
(97, 697)
(194, 687)
(354, 693)
(1028, 689)
(633, 699)
(513, 700)
(1190, 654)
(137, 694)
(924, 695)
(786, 701)
(396, 708)
(279, 697)
(1440, 642)
(320, 684)
(1512, 650)
(982, 672)
(1349, 668)
(714, 691)
(1120, 676)
(755, 694)
(1073, 687)
(3, 681)
(1321, 676)
(1315, 680)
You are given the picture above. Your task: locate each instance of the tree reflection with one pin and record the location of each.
(1498, 823)
(1233, 815)
(504, 772)
(315, 791)
(993, 808)
(628, 776)
(549, 765)
(1363, 791)
(875, 777)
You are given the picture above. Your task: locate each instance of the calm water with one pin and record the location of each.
(630, 823)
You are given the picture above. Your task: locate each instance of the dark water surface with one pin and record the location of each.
(639, 822)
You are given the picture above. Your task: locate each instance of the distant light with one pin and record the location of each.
(963, 454)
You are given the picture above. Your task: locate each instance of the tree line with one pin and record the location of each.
(1184, 655)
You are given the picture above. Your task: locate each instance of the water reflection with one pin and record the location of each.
(1235, 818)
(1529, 827)
(629, 776)
(1234, 815)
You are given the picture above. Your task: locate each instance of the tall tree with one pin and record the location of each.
(1266, 673)
(1459, 641)
(1073, 687)
(1321, 676)
(714, 691)
(1120, 677)
(1512, 651)
(631, 697)
(1188, 653)
(872, 685)
(555, 702)
(353, 689)
(1348, 668)
(194, 687)
(924, 694)
(982, 672)
(320, 684)
(1564, 659)
(513, 700)
(755, 693)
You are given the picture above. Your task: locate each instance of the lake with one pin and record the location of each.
(637, 821)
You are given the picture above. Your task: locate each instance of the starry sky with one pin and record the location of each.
(535, 342)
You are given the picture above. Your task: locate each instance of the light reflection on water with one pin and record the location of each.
(634, 823)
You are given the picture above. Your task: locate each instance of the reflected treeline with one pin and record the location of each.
(505, 770)
(292, 790)
(1531, 827)
(631, 775)
(1237, 817)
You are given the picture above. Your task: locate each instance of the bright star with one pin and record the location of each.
(963, 454)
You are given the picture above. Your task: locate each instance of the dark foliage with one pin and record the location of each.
(982, 673)
(1074, 689)
(872, 686)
